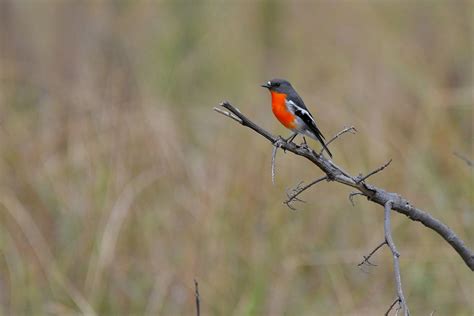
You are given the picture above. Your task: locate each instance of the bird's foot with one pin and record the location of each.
(292, 136)
(316, 153)
(304, 144)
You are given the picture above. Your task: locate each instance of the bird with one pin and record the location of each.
(290, 110)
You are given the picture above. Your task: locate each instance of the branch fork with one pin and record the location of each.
(373, 193)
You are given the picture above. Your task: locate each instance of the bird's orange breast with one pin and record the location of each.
(280, 110)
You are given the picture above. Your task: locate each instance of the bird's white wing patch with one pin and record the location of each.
(297, 109)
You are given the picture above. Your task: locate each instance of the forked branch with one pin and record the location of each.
(367, 258)
(373, 193)
(293, 196)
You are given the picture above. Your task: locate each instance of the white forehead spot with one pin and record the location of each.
(269, 83)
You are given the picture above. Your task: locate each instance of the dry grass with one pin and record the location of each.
(119, 185)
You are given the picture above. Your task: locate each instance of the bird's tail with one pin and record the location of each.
(320, 137)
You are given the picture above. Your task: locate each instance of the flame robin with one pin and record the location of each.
(290, 110)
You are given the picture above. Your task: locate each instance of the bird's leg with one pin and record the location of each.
(304, 144)
(292, 136)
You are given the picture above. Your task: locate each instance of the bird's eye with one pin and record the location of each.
(276, 84)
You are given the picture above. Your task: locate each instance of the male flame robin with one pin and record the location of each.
(290, 110)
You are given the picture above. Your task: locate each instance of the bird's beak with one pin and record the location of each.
(266, 86)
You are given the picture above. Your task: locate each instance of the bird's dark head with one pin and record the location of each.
(278, 85)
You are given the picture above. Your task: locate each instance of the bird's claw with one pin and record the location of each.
(304, 145)
(316, 153)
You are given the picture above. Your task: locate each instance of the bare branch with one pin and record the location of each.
(391, 306)
(276, 145)
(196, 295)
(468, 161)
(299, 189)
(373, 193)
(351, 196)
(367, 258)
(396, 255)
(360, 179)
(351, 129)
(274, 153)
(228, 114)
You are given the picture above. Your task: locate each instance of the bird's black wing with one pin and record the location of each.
(302, 112)
(297, 101)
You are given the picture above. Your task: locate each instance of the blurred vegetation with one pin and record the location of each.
(119, 184)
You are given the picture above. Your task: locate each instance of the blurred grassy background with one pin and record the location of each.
(119, 184)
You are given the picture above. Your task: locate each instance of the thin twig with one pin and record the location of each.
(293, 191)
(468, 161)
(361, 179)
(196, 294)
(396, 255)
(391, 306)
(367, 258)
(228, 114)
(351, 196)
(299, 189)
(276, 145)
(351, 129)
(274, 153)
(373, 193)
